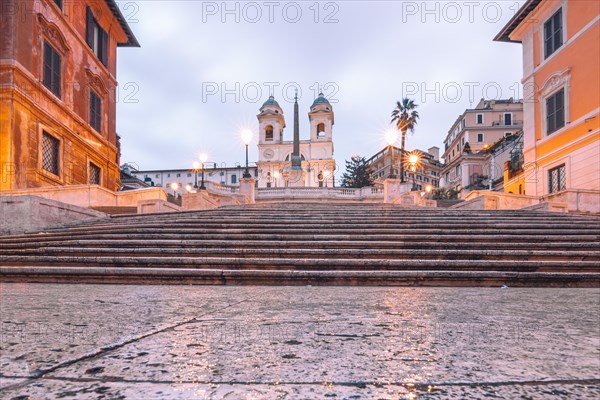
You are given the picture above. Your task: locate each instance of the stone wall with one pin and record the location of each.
(20, 214)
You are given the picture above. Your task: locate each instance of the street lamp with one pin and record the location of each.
(413, 159)
(203, 158)
(196, 167)
(391, 136)
(174, 186)
(246, 138)
(276, 176)
(188, 188)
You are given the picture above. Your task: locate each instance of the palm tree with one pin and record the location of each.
(405, 116)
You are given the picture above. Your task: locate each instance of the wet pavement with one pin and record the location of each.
(268, 342)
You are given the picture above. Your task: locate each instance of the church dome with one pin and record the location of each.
(320, 99)
(271, 102)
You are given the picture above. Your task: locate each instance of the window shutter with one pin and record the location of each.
(89, 27)
(103, 47)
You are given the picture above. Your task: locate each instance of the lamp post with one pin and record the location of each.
(174, 186)
(247, 138)
(276, 176)
(413, 159)
(203, 158)
(196, 167)
(391, 136)
(188, 188)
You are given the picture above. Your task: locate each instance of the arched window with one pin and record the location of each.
(269, 132)
(321, 130)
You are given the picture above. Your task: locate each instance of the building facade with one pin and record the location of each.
(316, 153)
(561, 60)
(427, 171)
(58, 62)
(471, 136)
(220, 175)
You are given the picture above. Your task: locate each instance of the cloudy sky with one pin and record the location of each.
(205, 68)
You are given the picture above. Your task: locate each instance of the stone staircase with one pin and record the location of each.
(315, 243)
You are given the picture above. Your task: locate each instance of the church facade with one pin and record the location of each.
(295, 163)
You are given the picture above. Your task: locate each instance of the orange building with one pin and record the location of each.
(58, 62)
(561, 85)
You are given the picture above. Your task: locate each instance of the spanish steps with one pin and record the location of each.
(315, 244)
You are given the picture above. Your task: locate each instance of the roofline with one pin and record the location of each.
(131, 39)
(515, 21)
(207, 169)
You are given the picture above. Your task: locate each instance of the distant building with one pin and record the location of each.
(471, 136)
(427, 173)
(561, 60)
(129, 181)
(58, 63)
(227, 176)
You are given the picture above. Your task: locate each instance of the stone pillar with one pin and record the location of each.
(248, 189)
(391, 190)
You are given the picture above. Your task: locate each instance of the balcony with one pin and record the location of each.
(503, 123)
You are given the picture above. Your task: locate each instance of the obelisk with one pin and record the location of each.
(296, 178)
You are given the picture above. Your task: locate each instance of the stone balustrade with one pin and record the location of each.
(366, 193)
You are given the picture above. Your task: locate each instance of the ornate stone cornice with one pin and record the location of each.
(53, 34)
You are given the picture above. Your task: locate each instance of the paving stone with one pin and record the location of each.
(313, 342)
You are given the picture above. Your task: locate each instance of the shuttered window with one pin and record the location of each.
(52, 69)
(553, 37)
(555, 111)
(95, 111)
(96, 37)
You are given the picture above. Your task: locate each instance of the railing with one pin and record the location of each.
(502, 123)
(321, 192)
(218, 188)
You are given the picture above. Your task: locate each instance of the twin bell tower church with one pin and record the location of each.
(295, 163)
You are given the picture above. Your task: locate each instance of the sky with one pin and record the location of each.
(204, 69)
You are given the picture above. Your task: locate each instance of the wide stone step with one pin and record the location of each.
(396, 278)
(474, 244)
(321, 225)
(262, 277)
(275, 263)
(448, 237)
(330, 253)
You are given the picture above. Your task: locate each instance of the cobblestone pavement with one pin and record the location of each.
(267, 342)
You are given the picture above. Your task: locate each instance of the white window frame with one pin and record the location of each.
(512, 121)
(482, 137)
(477, 118)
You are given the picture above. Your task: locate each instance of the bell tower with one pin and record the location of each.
(270, 122)
(321, 120)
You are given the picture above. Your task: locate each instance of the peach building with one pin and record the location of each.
(475, 131)
(58, 62)
(561, 60)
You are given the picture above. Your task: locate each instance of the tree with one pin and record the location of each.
(405, 116)
(357, 173)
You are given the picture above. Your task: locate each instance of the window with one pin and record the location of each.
(321, 130)
(269, 133)
(50, 153)
(178, 175)
(94, 172)
(557, 180)
(507, 133)
(233, 179)
(555, 111)
(463, 140)
(189, 175)
(96, 37)
(95, 111)
(480, 137)
(553, 34)
(479, 119)
(52, 66)
(507, 119)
